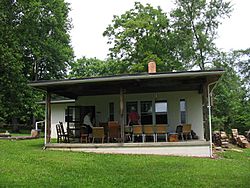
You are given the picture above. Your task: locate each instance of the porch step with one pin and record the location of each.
(127, 145)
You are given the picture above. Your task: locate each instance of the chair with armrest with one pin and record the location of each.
(59, 133)
(98, 133)
(161, 129)
(114, 131)
(148, 130)
(62, 136)
(137, 131)
(186, 131)
(128, 133)
(179, 132)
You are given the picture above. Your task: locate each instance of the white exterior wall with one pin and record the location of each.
(193, 100)
(58, 114)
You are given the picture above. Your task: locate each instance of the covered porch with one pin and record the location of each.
(146, 92)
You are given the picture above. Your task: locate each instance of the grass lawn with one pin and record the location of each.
(24, 164)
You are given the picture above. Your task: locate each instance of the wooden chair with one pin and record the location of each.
(84, 136)
(179, 132)
(58, 132)
(61, 136)
(98, 132)
(65, 135)
(137, 131)
(148, 130)
(161, 129)
(128, 133)
(186, 130)
(113, 130)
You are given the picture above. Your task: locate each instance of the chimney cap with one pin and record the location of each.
(151, 67)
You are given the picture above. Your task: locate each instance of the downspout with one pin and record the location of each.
(209, 93)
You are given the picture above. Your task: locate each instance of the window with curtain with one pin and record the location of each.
(161, 112)
(183, 114)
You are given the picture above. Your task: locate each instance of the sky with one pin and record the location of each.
(90, 19)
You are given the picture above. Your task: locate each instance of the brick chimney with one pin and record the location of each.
(151, 67)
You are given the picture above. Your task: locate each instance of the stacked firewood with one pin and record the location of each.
(248, 135)
(240, 140)
(220, 139)
(224, 139)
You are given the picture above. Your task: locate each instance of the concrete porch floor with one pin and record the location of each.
(194, 148)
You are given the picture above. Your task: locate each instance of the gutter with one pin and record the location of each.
(209, 94)
(59, 101)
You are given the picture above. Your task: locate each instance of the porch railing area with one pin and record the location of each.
(111, 132)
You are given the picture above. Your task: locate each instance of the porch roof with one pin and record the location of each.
(132, 83)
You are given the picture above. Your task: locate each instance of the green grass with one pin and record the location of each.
(25, 164)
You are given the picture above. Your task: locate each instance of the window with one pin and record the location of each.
(68, 114)
(111, 111)
(146, 112)
(161, 112)
(183, 111)
(130, 106)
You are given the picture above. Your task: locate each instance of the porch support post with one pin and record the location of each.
(122, 113)
(205, 111)
(47, 131)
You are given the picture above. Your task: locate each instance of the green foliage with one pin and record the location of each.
(141, 34)
(44, 38)
(34, 44)
(25, 164)
(182, 41)
(194, 24)
(93, 67)
(231, 104)
(242, 62)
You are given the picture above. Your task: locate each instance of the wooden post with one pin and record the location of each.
(48, 118)
(205, 111)
(122, 113)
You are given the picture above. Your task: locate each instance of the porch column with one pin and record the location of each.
(47, 130)
(205, 111)
(122, 113)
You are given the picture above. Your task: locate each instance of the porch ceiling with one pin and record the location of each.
(139, 83)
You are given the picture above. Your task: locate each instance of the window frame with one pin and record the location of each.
(161, 113)
(183, 111)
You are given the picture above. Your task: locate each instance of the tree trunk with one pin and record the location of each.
(15, 127)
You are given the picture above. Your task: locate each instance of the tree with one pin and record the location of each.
(92, 67)
(44, 38)
(139, 35)
(194, 24)
(231, 104)
(34, 44)
(242, 62)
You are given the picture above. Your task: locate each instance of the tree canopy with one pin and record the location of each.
(34, 45)
(92, 67)
(195, 24)
(139, 35)
(231, 102)
(183, 40)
